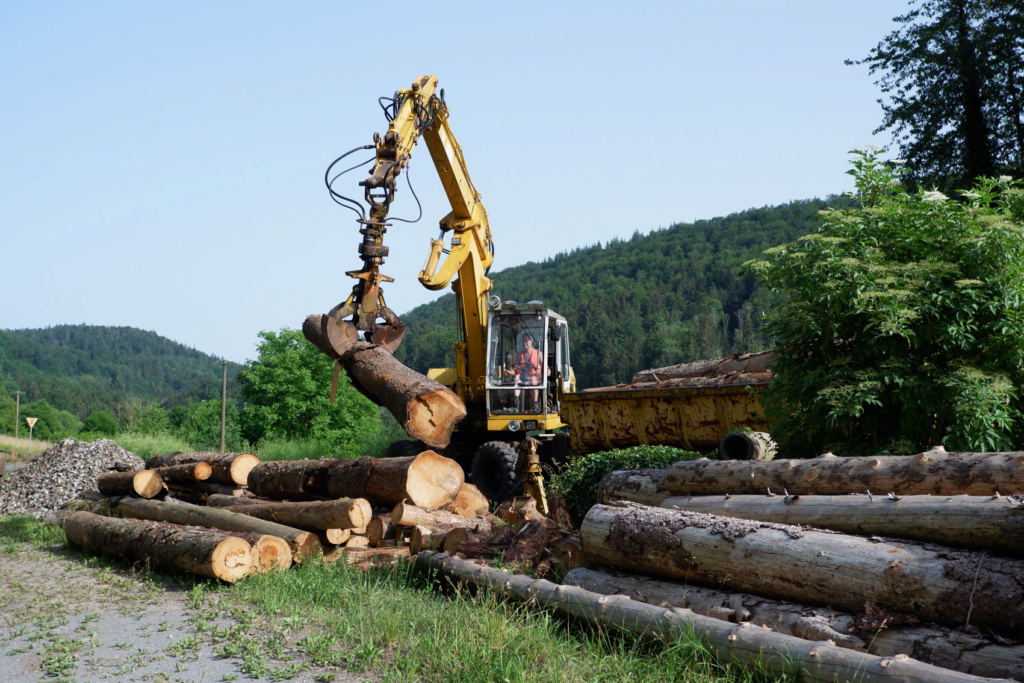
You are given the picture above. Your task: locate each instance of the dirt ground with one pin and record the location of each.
(67, 618)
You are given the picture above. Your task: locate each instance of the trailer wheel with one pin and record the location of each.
(494, 471)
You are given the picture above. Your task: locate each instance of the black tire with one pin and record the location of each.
(404, 449)
(494, 471)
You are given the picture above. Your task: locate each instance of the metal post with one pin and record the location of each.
(17, 411)
(223, 403)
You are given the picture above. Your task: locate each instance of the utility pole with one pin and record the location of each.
(224, 401)
(17, 411)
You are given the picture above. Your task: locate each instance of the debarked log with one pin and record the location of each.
(934, 583)
(144, 483)
(645, 487)
(950, 649)
(229, 469)
(207, 552)
(936, 472)
(426, 409)
(744, 643)
(427, 479)
(302, 543)
(976, 522)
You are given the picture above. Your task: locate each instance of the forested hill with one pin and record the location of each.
(82, 368)
(671, 296)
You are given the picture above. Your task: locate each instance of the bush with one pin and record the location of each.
(147, 445)
(578, 481)
(100, 422)
(292, 449)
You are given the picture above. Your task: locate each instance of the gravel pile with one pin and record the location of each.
(61, 474)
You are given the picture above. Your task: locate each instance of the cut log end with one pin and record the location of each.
(433, 415)
(434, 481)
(232, 559)
(147, 484)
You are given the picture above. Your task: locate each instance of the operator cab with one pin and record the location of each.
(527, 366)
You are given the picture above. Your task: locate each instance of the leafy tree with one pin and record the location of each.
(101, 422)
(51, 425)
(902, 321)
(952, 75)
(202, 427)
(287, 394)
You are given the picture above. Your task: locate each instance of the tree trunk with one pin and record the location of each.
(936, 472)
(469, 502)
(458, 536)
(412, 515)
(365, 558)
(426, 538)
(745, 643)
(736, 364)
(427, 479)
(185, 473)
(952, 587)
(975, 522)
(426, 409)
(645, 487)
(343, 513)
(230, 469)
(268, 552)
(935, 645)
(211, 488)
(380, 528)
(302, 543)
(206, 552)
(144, 483)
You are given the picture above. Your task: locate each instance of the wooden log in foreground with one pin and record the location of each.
(428, 479)
(743, 643)
(364, 558)
(972, 654)
(976, 522)
(302, 543)
(144, 483)
(207, 552)
(269, 553)
(343, 513)
(943, 585)
(936, 472)
(426, 409)
(229, 469)
(645, 487)
(185, 473)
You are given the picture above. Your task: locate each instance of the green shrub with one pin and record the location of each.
(293, 449)
(577, 483)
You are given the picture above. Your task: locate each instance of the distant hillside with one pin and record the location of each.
(671, 296)
(82, 368)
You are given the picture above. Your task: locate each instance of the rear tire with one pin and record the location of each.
(494, 471)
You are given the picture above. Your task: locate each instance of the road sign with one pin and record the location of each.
(31, 421)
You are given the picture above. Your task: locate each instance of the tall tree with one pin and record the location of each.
(952, 73)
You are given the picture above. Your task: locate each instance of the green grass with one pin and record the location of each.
(25, 529)
(147, 445)
(292, 449)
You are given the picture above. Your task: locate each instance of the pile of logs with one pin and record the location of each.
(224, 516)
(896, 556)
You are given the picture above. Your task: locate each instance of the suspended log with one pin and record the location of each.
(976, 522)
(935, 645)
(413, 515)
(207, 552)
(269, 553)
(426, 409)
(343, 513)
(229, 469)
(645, 487)
(143, 483)
(302, 543)
(469, 502)
(951, 587)
(427, 479)
(936, 472)
(185, 473)
(744, 643)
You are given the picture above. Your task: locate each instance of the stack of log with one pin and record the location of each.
(919, 556)
(192, 512)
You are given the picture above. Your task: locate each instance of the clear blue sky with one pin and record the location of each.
(162, 162)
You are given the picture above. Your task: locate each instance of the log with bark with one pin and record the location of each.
(343, 513)
(743, 643)
(528, 545)
(951, 587)
(207, 552)
(380, 529)
(329, 537)
(212, 488)
(976, 522)
(229, 469)
(936, 472)
(406, 515)
(972, 654)
(425, 538)
(459, 536)
(302, 543)
(645, 487)
(364, 558)
(185, 473)
(426, 409)
(143, 483)
(427, 479)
